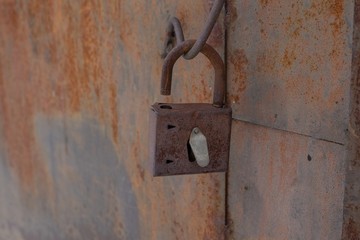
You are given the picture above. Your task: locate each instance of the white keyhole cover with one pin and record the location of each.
(199, 147)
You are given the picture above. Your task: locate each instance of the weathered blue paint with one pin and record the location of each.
(90, 193)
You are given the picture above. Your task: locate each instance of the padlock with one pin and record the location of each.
(189, 138)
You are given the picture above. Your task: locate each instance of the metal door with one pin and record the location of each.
(76, 82)
(289, 71)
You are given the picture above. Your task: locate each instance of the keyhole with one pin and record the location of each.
(191, 155)
(169, 126)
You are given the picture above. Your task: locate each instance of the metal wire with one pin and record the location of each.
(175, 28)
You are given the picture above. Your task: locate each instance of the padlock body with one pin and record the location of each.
(170, 129)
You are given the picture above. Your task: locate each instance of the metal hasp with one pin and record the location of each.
(172, 125)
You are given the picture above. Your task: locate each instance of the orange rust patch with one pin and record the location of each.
(289, 58)
(211, 212)
(231, 15)
(239, 63)
(294, 24)
(92, 72)
(264, 3)
(16, 97)
(334, 11)
(267, 62)
(337, 9)
(58, 69)
(87, 85)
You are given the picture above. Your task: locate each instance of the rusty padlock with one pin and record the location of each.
(189, 138)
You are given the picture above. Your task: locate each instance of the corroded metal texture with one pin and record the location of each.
(76, 81)
(289, 64)
(351, 227)
(170, 132)
(289, 70)
(284, 185)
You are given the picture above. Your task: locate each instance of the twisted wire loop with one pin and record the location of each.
(175, 32)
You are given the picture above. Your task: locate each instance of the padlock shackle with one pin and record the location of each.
(211, 54)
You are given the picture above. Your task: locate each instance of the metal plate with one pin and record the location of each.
(289, 65)
(284, 185)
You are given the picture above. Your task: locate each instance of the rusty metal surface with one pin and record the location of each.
(212, 56)
(76, 78)
(289, 64)
(284, 185)
(351, 227)
(171, 125)
(289, 70)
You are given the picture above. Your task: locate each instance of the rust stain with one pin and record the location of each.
(231, 14)
(72, 75)
(58, 70)
(128, 35)
(90, 78)
(140, 173)
(336, 9)
(204, 220)
(17, 105)
(67, 61)
(239, 63)
(86, 85)
(267, 61)
(351, 231)
(298, 21)
(212, 217)
(210, 213)
(294, 24)
(10, 15)
(288, 58)
(264, 3)
(40, 26)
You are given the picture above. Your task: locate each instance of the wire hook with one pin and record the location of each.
(174, 30)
